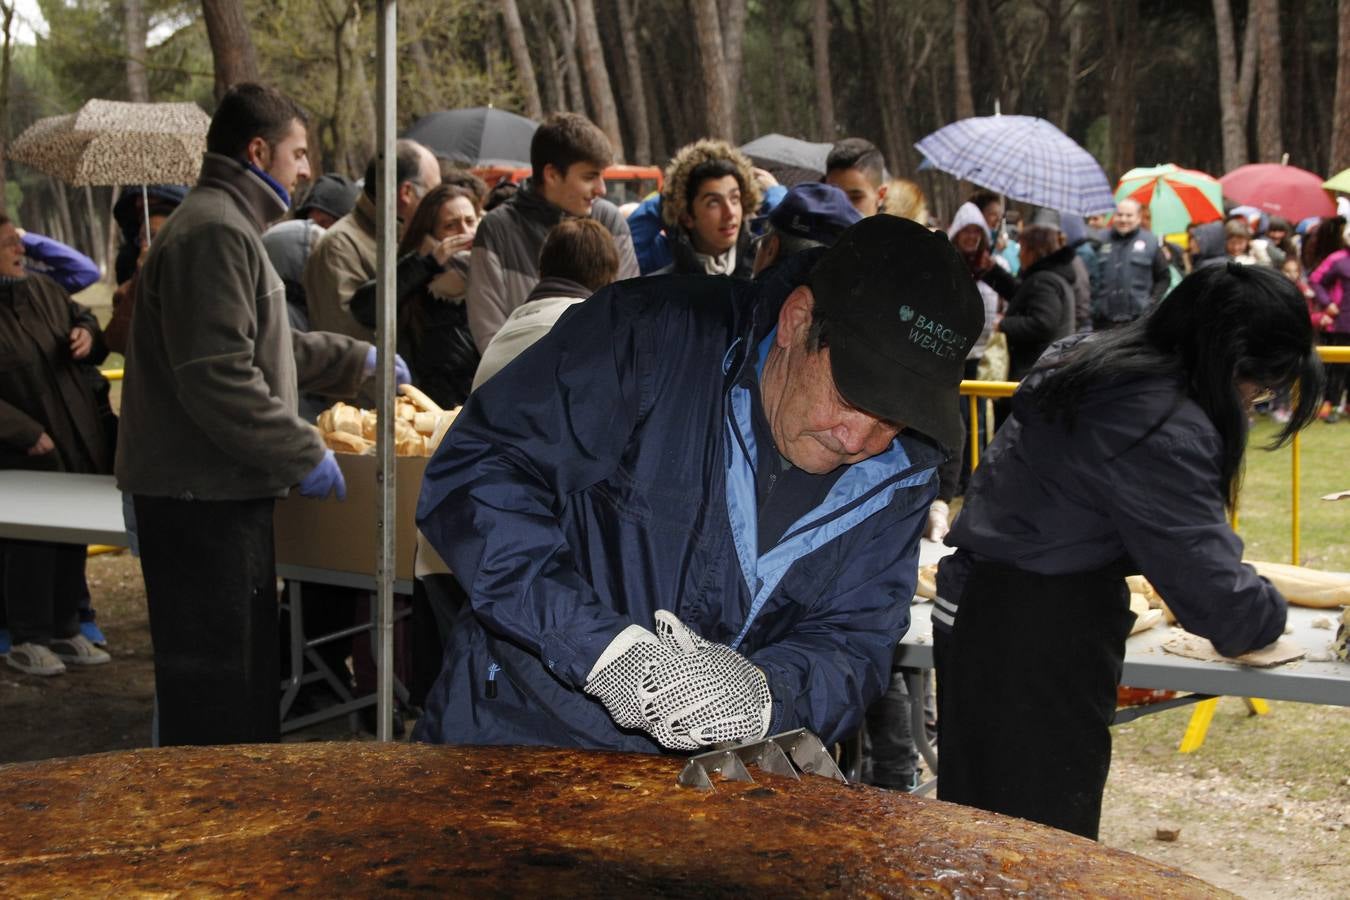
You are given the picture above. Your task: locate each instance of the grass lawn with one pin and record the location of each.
(1264, 507)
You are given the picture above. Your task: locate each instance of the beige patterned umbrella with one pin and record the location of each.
(109, 142)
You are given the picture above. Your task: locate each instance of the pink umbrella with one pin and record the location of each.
(1283, 190)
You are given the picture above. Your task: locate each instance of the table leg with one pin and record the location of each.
(1198, 727)
(919, 729)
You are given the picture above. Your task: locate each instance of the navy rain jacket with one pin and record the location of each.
(587, 486)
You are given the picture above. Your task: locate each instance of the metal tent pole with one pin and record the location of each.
(386, 242)
(145, 209)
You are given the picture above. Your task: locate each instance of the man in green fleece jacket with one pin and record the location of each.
(210, 437)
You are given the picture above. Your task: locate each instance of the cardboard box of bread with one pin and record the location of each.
(340, 535)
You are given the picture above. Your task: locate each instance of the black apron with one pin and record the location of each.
(1026, 684)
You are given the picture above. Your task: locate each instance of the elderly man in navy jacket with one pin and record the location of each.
(691, 512)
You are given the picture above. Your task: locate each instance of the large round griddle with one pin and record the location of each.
(379, 819)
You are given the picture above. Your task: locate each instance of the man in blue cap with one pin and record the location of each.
(810, 215)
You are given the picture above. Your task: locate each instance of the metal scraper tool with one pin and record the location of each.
(789, 753)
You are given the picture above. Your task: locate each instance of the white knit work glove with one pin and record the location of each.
(702, 693)
(684, 691)
(617, 675)
(938, 522)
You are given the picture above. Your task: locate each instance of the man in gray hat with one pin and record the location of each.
(701, 490)
(330, 198)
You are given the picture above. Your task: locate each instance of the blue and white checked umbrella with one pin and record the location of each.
(1024, 158)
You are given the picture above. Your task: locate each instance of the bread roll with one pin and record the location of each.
(411, 444)
(425, 423)
(343, 442)
(347, 418)
(1307, 587)
(369, 424)
(421, 400)
(404, 411)
(926, 586)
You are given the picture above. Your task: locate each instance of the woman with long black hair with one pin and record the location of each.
(1123, 455)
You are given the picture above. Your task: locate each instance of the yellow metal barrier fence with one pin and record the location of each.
(977, 390)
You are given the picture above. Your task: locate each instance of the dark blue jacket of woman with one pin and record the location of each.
(1134, 484)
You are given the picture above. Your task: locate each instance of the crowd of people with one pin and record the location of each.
(700, 442)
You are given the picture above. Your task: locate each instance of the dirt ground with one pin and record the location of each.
(1263, 807)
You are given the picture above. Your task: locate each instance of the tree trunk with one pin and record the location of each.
(782, 115)
(635, 97)
(92, 229)
(138, 86)
(733, 52)
(592, 56)
(1058, 64)
(1340, 109)
(1236, 78)
(1065, 112)
(965, 99)
(520, 55)
(820, 43)
(988, 32)
(553, 76)
(564, 14)
(6, 54)
(708, 33)
(682, 128)
(232, 51)
(63, 213)
(353, 115)
(422, 88)
(1122, 46)
(889, 104)
(1270, 96)
(658, 125)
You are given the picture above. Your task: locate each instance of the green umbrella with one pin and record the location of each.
(1339, 182)
(1176, 197)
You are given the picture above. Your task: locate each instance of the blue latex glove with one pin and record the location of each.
(401, 375)
(325, 478)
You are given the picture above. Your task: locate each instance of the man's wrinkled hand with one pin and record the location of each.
(42, 446)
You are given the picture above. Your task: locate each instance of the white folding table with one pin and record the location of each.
(69, 508)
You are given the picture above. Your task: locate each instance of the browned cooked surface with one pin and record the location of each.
(343, 819)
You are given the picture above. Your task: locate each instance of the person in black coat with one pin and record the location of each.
(1042, 310)
(1123, 455)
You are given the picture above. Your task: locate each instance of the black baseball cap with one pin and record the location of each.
(814, 211)
(901, 313)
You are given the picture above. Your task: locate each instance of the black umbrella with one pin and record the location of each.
(481, 136)
(790, 160)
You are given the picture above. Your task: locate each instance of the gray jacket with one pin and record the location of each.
(342, 261)
(209, 400)
(504, 266)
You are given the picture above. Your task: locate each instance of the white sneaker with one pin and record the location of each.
(34, 659)
(78, 651)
